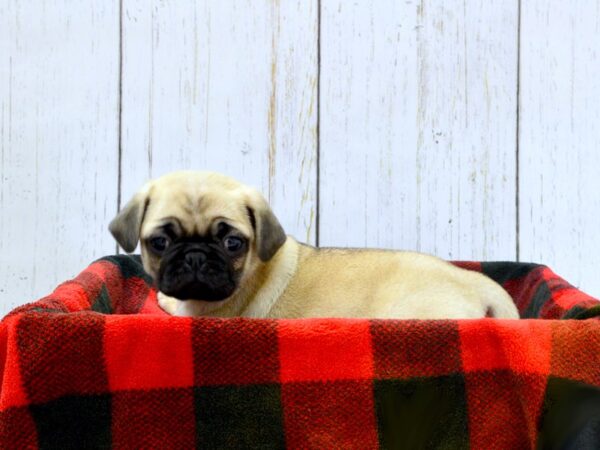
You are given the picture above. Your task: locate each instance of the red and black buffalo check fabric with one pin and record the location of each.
(97, 364)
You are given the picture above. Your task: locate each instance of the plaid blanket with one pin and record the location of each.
(97, 364)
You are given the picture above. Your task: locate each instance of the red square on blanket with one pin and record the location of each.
(325, 349)
(9, 366)
(61, 355)
(148, 352)
(415, 348)
(504, 408)
(332, 414)
(234, 351)
(576, 351)
(156, 418)
(525, 345)
(17, 429)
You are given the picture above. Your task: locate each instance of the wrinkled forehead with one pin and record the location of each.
(196, 210)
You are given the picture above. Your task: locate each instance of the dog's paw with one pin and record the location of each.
(168, 304)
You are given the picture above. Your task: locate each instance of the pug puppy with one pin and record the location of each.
(215, 248)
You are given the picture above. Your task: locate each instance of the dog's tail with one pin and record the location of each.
(500, 305)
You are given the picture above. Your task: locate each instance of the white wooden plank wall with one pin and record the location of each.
(412, 154)
(59, 89)
(463, 129)
(224, 86)
(559, 145)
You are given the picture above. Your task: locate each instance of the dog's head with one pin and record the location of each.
(202, 234)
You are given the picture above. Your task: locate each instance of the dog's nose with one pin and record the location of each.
(195, 258)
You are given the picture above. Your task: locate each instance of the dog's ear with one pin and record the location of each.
(126, 226)
(268, 232)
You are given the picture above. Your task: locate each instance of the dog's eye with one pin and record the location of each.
(159, 244)
(233, 244)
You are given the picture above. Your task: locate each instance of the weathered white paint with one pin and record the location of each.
(417, 128)
(418, 115)
(559, 131)
(59, 70)
(224, 86)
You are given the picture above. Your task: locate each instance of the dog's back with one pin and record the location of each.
(388, 284)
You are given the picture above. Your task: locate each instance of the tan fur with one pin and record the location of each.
(303, 281)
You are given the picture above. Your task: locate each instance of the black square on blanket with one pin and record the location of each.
(74, 422)
(240, 417)
(422, 413)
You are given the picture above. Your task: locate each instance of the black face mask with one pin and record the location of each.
(195, 268)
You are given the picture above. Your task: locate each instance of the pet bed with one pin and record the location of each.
(97, 364)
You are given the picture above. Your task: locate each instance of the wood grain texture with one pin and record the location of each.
(59, 71)
(228, 87)
(560, 138)
(418, 124)
(417, 131)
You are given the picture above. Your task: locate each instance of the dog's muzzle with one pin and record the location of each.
(196, 271)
